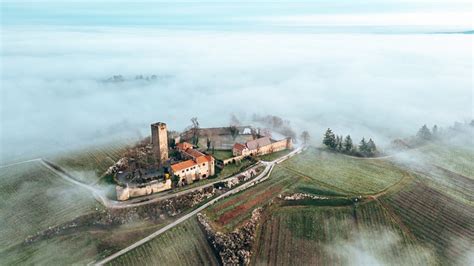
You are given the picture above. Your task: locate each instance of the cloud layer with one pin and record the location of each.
(371, 85)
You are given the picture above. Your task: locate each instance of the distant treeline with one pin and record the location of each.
(345, 145)
(120, 78)
(425, 134)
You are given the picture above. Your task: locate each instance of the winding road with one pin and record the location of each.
(261, 177)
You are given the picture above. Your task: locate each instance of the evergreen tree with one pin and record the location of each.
(329, 139)
(348, 144)
(363, 147)
(424, 133)
(371, 148)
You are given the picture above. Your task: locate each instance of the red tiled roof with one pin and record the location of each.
(182, 165)
(202, 159)
(194, 153)
(239, 146)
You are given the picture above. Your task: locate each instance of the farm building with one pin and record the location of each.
(197, 165)
(261, 146)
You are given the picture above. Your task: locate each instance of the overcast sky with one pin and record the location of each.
(240, 14)
(368, 69)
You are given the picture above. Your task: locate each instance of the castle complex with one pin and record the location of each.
(187, 163)
(196, 164)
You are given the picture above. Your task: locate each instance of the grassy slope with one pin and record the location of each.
(350, 175)
(185, 244)
(32, 199)
(453, 158)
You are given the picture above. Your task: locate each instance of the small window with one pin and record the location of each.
(203, 164)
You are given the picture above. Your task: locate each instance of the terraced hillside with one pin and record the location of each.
(185, 244)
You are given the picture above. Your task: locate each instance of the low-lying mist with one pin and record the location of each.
(382, 86)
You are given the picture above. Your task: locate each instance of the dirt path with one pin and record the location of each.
(22, 162)
(404, 181)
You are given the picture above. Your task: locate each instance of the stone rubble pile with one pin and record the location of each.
(301, 196)
(119, 165)
(234, 247)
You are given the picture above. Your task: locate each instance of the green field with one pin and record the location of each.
(222, 154)
(343, 173)
(453, 158)
(185, 244)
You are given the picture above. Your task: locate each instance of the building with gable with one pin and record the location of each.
(196, 165)
(261, 146)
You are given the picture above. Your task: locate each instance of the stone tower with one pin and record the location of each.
(159, 140)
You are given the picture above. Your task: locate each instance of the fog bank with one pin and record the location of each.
(381, 86)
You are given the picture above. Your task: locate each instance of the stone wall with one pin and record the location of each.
(233, 159)
(125, 193)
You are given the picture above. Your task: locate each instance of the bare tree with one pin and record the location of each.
(195, 130)
(234, 132)
(234, 121)
(305, 137)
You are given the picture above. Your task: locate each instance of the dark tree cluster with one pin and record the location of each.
(345, 145)
(424, 133)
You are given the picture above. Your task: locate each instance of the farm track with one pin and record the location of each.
(261, 177)
(404, 181)
(19, 163)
